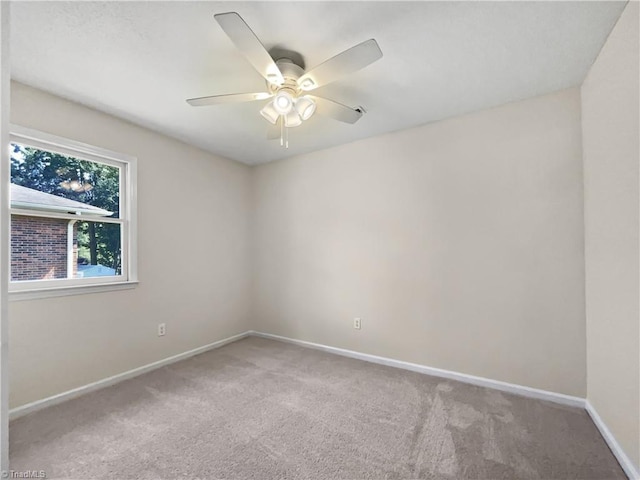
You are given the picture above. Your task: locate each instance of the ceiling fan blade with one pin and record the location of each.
(248, 43)
(231, 98)
(349, 61)
(338, 111)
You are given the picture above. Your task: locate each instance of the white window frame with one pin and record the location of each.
(29, 289)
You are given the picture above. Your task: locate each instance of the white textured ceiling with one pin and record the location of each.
(141, 60)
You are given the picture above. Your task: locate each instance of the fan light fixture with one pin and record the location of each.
(305, 107)
(292, 110)
(270, 113)
(283, 103)
(292, 119)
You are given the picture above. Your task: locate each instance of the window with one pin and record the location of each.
(72, 217)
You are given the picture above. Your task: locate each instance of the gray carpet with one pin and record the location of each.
(260, 409)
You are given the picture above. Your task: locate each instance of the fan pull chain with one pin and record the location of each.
(284, 134)
(281, 132)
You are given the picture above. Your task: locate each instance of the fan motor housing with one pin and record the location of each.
(291, 72)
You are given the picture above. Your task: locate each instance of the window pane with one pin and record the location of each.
(38, 248)
(90, 188)
(50, 248)
(97, 249)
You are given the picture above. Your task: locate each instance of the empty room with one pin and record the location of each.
(320, 240)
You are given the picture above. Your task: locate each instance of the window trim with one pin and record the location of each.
(30, 289)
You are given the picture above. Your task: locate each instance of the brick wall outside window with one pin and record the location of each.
(39, 248)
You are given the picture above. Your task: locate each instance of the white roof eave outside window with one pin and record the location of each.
(75, 211)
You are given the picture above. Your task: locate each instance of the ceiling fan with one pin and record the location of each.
(288, 83)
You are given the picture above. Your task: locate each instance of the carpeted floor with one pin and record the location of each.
(261, 409)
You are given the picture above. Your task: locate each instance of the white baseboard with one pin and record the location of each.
(76, 392)
(625, 462)
(437, 372)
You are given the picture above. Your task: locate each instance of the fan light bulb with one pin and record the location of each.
(283, 103)
(305, 107)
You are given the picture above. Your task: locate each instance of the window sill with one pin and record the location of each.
(36, 293)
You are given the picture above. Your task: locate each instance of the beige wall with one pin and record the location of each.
(193, 261)
(611, 169)
(459, 243)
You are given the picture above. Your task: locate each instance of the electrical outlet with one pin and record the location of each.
(357, 323)
(162, 329)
